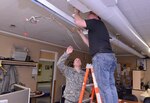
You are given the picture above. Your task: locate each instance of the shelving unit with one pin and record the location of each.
(8, 66)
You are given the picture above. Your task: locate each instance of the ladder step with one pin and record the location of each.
(89, 85)
(86, 100)
(89, 66)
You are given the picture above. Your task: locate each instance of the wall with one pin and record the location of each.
(147, 73)
(128, 60)
(132, 60)
(6, 44)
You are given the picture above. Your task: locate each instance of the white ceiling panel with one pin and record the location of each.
(138, 14)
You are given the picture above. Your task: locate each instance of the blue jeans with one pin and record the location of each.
(104, 67)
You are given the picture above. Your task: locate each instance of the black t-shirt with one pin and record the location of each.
(98, 37)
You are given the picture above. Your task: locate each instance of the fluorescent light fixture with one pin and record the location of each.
(54, 10)
(139, 38)
(59, 13)
(120, 44)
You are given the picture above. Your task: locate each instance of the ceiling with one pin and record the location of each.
(53, 30)
(138, 14)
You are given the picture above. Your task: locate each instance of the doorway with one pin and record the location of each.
(46, 75)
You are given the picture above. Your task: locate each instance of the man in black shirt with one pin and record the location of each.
(103, 58)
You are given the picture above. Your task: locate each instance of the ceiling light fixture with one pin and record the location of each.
(54, 10)
(57, 12)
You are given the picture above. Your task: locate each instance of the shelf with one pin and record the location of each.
(138, 89)
(44, 81)
(18, 63)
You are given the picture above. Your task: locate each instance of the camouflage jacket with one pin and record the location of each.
(74, 79)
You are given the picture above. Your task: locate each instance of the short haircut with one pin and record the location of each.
(91, 12)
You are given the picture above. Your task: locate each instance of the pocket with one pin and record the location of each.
(94, 58)
(113, 57)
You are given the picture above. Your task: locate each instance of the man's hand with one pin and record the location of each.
(69, 50)
(77, 19)
(76, 11)
(79, 31)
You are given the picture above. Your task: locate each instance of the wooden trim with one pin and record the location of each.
(54, 91)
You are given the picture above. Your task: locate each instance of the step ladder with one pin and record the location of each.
(95, 89)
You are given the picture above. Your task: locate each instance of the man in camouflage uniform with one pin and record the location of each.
(74, 77)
